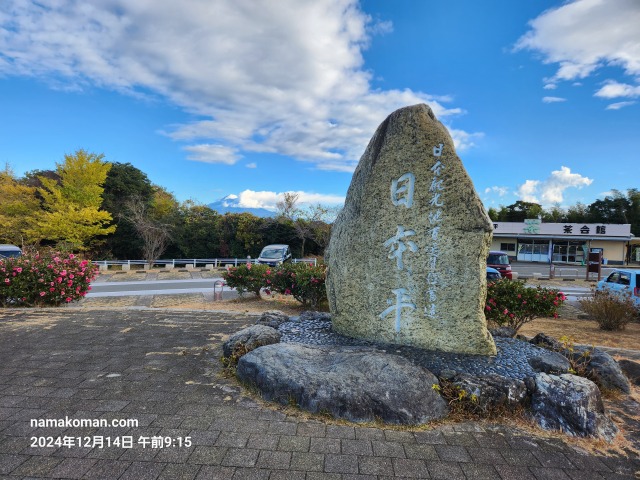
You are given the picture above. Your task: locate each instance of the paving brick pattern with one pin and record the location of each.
(161, 368)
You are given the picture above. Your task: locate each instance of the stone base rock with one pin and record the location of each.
(550, 362)
(571, 404)
(492, 391)
(272, 318)
(604, 369)
(356, 384)
(249, 339)
(631, 369)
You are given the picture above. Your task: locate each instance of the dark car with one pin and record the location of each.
(500, 261)
(275, 254)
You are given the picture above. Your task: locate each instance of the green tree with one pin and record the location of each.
(19, 210)
(124, 182)
(520, 211)
(199, 235)
(72, 213)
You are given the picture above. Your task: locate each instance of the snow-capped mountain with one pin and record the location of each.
(231, 204)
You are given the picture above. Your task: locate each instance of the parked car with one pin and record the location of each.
(493, 274)
(622, 281)
(500, 261)
(9, 251)
(275, 254)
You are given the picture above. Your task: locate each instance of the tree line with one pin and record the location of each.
(113, 211)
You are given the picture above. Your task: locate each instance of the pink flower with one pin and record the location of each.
(505, 311)
(42, 294)
(68, 299)
(488, 308)
(287, 291)
(71, 256)
(52, 289)
(18, 269)
(6, 280)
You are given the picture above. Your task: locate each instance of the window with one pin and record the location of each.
(508, 247)
(625, 279)
(613, 278)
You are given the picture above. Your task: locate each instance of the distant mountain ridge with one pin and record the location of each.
(230, 204)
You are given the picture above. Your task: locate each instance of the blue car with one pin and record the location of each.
(622, 281)
(493, 274)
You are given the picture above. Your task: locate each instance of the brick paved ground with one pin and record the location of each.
(159, 367)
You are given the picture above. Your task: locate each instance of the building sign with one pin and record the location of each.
(536, 227)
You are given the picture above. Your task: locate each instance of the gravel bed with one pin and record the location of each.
(511, 360)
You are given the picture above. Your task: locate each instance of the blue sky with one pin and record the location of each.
(255, 98)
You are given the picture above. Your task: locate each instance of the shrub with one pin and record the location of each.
(39, 279)
(248, 278)
(610, 310)
(305, 282)
(511, 303)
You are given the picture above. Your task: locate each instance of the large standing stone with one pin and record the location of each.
(359, 385)
(407, 255)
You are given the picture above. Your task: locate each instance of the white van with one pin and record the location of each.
(7, 251)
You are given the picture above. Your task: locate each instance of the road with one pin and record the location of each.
(153, 287)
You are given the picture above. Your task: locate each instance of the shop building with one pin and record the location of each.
(536, 241)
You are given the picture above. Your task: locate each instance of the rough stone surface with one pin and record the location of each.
(550, 362)
(359, 385)
(631, 369)
(571, 404)
(492, 390)
(272, 318)
(250, 338)
(604, 369)
(506, 332)
(407, 254)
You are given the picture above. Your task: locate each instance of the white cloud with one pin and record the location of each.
(553, 99)
(251, 165)
(613, 89)
(582, 36)
(501, 191)
(552, 189)
(268, 200)
(550, 86)
(285, 77)
(210, 153)
(527, 191)
(618, 105)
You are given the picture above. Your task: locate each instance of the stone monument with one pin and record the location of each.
(407, 255)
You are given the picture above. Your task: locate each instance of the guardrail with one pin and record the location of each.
(190, 262)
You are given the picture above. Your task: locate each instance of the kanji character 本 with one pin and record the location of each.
(403, 300)
(397, 246)
(437, 151)
(402, 190)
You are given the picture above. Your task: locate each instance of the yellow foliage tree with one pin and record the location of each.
(72, 212)
(19, 208)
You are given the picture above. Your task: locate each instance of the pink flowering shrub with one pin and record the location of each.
(44, 279)
(303, 281)
(510, 303)
(247, 278)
